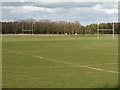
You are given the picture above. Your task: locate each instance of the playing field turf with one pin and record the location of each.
(59, 61)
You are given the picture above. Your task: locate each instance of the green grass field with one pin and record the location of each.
(58, 61)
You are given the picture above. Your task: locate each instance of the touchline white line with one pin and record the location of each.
(83, 66)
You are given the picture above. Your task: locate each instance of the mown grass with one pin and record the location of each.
(26, 71)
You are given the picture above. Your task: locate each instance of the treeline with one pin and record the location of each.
(49, 27)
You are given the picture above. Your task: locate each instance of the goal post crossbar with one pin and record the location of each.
(105, 29)
(27, 30)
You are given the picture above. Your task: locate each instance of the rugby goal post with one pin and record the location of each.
(98, 30)
(27, 30)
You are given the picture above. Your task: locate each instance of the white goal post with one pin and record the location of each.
(98, 30)
(30, 30)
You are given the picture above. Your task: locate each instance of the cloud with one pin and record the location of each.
(29, 9)
(60, 0)
(34, 9)
(111, 11)
(14, 4)
(64, 4)
(102, 9)
(85, 12)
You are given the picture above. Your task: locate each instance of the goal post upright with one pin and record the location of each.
(98, 30)
(113, 30)
(32, 28)
(22, 29)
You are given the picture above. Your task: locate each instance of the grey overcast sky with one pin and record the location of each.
(84, 12)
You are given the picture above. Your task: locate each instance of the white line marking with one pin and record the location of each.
(83, 66)
(41, 67)
(111, 53)
(102, 64)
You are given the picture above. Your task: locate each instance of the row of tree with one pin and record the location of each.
(49, 27)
